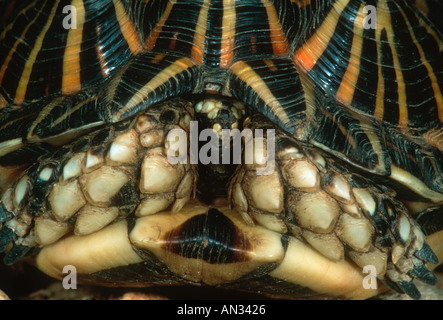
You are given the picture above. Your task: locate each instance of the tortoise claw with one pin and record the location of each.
(392, 285)
(17, 252)
(403, 287)
(7, 235)
(426, 254)
(410, 289)
(423, 274)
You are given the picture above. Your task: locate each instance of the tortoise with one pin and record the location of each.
(290, 147)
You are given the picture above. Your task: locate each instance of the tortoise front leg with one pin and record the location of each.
(112, 173)
(334, 212)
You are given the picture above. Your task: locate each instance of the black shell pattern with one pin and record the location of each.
(368, 91)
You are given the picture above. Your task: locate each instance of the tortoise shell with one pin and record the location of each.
(353, 90)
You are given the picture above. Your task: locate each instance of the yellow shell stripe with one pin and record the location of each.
(434, 137)
(307, 56)
(421, 5)
(370, 132)
(162, 77)
(345, 92)
(72, 110)
(48, 109)
(71, 81)
(43, 114)
(245, 73)
(270, 64)
(9, 26)
(153, 36)
(17, 42)
(14, 47)
(384, 21)
(301, 3)
(127, 28)
(24, 80)
(379, 109)
(407, 179)
(279, 42)
(228, 34)
(434, 81)
(9, 146)
(349, 138)
(200, 32)
(13, 144)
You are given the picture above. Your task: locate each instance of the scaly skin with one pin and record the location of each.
(121, 213)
